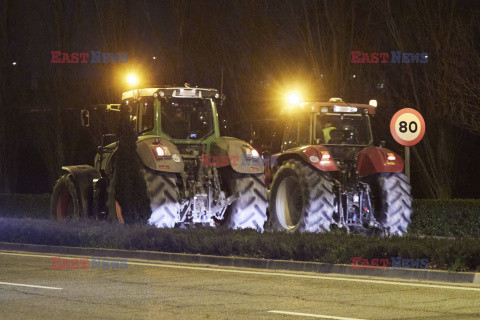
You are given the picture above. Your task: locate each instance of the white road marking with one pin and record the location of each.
(312, 315)
(29, 286)
(278, 274)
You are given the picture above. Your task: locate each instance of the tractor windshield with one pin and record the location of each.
(186, 118)
(343, 129)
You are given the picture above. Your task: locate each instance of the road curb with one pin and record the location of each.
(316, 267)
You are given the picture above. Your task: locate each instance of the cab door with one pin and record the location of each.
(298, 132)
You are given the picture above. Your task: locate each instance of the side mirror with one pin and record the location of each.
(382, 144)
(113, 107)
(220, 100)
(253, 135)
(85, 118)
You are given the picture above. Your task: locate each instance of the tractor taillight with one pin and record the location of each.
(250, 152)
(325, 156)
(391, 157)
(160, 152)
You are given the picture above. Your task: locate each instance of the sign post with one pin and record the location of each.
(407, 128)
(407, 163)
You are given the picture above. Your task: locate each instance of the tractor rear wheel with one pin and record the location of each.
(301, 198)
(392, 201)
(65, 202)
(249, 210)
(164, 198)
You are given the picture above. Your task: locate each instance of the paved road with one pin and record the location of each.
(31, 289)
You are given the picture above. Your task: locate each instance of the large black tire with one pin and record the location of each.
(392, 201)
(65, 202)
(249, 210)
(301, 198)
(164, 198)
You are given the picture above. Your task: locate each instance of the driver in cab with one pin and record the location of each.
(328, 126)
(178, 126)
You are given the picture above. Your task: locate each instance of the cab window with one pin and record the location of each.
(148, 114)
(304, 129)
(290, 136)
(132, 110)
(297, 132)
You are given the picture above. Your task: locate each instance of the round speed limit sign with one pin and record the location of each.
(407, 127)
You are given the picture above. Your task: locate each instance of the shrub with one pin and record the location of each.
(446, 218)
(25, 205)
(447, 254)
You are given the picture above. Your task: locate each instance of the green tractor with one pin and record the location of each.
(193, 175)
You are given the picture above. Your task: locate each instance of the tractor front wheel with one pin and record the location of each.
(65, 202)
(301, 199)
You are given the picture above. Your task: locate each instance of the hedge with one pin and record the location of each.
(25, 205)
(447, 254)
(444, 218)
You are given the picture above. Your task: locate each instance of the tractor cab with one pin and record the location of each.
(179, 114)
(343, 128)
(333, 123)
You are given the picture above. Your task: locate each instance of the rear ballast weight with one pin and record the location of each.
(328, 174)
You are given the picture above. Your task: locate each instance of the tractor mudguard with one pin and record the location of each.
(146, 150)
(171, 162)
(228, 151)
(83, 176)
(373, 160)
(316, 155)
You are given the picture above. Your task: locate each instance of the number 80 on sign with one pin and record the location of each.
(407, 127)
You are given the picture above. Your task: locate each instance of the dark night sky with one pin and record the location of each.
(263, 48)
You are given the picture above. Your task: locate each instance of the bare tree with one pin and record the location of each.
(11, 98)
(436, 88)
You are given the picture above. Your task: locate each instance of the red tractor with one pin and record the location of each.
(329, 174)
